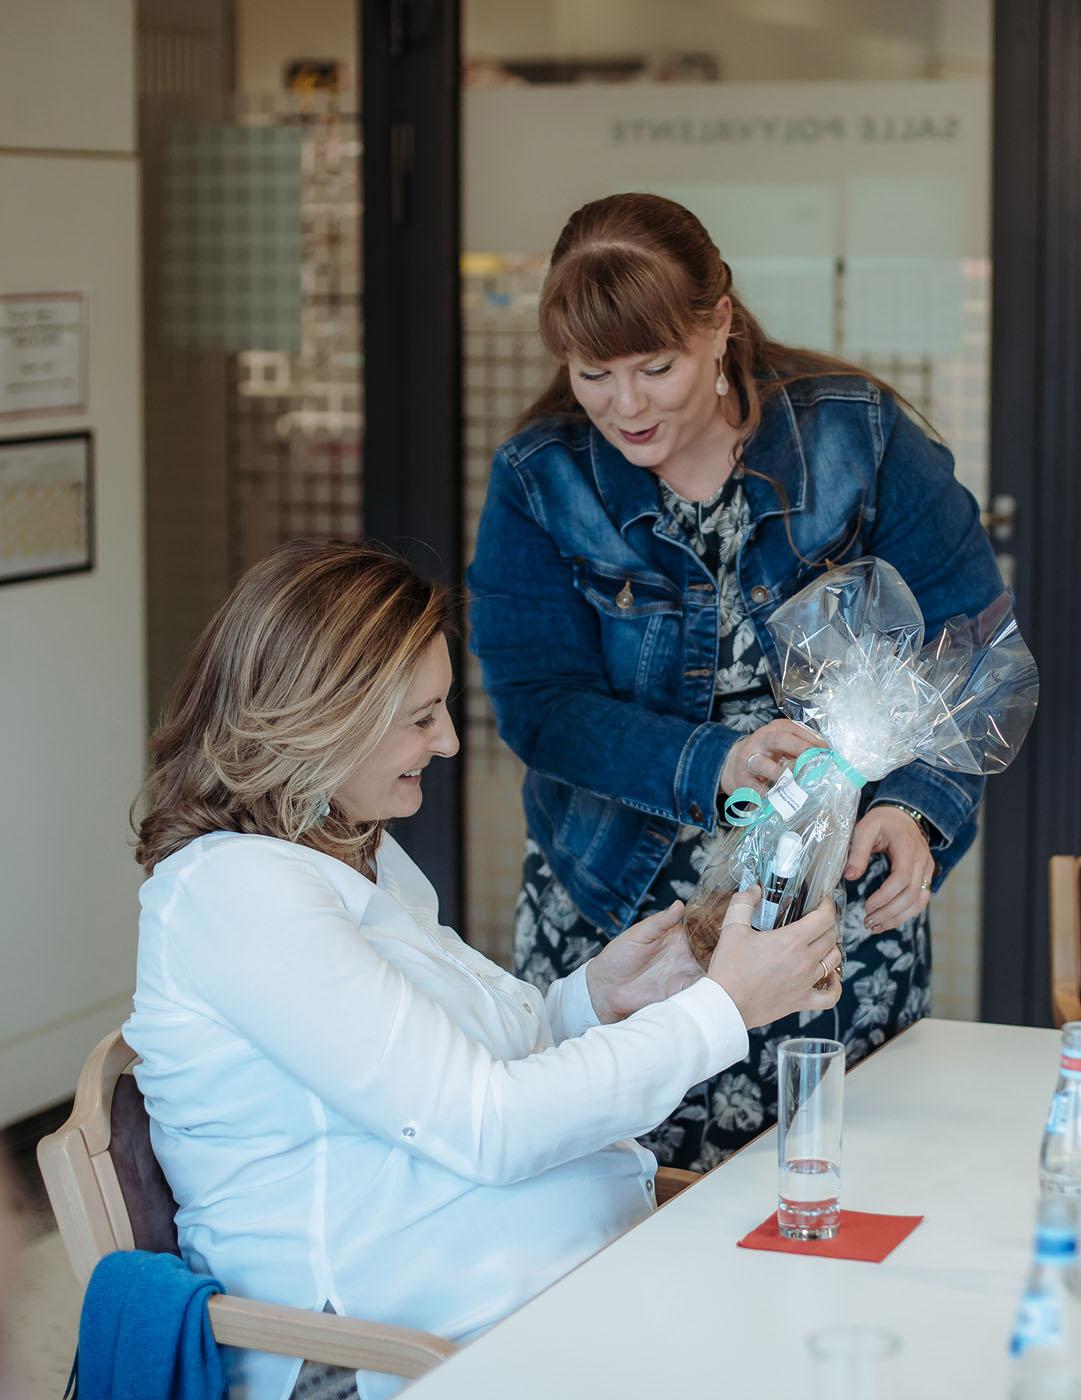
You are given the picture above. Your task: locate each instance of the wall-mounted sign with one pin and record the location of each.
(46, 518)
(42, 354)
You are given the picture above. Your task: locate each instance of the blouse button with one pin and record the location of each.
(649, 1186)
(528, 1008)
(409, 1132)
(759, 593)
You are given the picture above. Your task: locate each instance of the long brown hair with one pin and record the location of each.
(633, 274)
(295, 679)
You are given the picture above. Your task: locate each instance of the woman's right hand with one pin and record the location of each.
(772, 974)
(755, 760)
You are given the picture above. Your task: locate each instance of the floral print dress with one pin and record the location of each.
(886, 978)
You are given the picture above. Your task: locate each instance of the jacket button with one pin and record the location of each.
(625, 598)
(759, 593)
(696, 813)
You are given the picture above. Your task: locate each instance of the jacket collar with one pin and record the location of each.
(629, 493)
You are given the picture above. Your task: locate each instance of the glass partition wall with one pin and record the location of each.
(839, 155)
(250, 139)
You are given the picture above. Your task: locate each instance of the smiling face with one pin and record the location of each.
(387, 783)
(658, 407)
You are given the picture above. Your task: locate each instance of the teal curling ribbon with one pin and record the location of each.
(821, 759)
(747, 807)
(755, 808)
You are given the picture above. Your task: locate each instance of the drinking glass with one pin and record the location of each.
(854, 1363)
(810, 1099)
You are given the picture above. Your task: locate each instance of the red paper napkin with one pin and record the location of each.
(863, 1236)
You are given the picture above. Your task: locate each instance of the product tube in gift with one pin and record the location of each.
(781, 890)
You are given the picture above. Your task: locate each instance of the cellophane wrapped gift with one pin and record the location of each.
(852, 667)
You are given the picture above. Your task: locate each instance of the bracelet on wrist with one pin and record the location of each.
(927, 831)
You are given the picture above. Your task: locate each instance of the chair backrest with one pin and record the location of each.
(1064, 877)
(105, 1185)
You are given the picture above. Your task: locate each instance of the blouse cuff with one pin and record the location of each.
(570, 1010)
(718, 1017)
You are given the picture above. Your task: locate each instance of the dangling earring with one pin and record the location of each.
(722, 382)
(322, 811)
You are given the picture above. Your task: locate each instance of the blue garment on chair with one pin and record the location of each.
(145, 1333)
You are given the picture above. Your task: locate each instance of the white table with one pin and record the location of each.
(943, 1122)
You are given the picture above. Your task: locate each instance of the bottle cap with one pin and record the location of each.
(1071, 1040)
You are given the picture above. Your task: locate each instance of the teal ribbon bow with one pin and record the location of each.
(747, 807)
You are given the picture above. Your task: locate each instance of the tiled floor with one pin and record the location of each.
(43, 1320)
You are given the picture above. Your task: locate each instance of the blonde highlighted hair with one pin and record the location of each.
(293, 682)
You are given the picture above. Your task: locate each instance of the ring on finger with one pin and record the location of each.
(825, 970)
(925, 884)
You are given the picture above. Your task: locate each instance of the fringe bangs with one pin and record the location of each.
(605, 302)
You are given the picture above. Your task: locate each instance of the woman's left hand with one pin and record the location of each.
(906, 890)
(645, 963)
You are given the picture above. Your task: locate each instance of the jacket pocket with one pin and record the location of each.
(625, 594)
(640, 618)
(843, 549)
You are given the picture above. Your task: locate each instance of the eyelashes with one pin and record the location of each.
(654, 373)
(426, 722)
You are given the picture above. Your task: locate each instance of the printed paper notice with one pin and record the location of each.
(42, 354)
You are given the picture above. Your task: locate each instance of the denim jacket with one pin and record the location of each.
(609, 704)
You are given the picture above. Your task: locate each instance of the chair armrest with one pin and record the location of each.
(325, 1337)
(1063, 877)
(670, 1181)
(1065, 1003)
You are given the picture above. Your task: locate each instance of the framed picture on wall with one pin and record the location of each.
(46, 506)
(42, 353)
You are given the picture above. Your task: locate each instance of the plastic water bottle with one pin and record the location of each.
(1046, 1345)
(1060, 1152)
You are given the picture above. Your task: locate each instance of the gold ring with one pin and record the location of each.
(926, 885)
(825, 970)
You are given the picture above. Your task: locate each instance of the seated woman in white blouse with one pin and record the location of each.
(355, 1109)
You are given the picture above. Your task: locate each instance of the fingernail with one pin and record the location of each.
(850, 871)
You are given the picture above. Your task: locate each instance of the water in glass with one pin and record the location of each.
(809, 1198)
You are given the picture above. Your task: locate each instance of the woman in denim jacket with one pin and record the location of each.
(680, 478)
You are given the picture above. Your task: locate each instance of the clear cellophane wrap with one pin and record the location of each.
(852, 666)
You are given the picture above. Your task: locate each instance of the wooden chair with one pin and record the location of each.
(1064, 877)
(108, 1192)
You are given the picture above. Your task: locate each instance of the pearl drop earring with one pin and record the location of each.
(722, 382)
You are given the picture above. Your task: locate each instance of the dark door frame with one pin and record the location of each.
(1034, 809)
(410, 66)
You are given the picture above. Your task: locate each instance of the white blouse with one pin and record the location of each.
(353, 1106)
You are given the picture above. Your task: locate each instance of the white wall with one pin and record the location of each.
(272, 33)
(72, 664)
